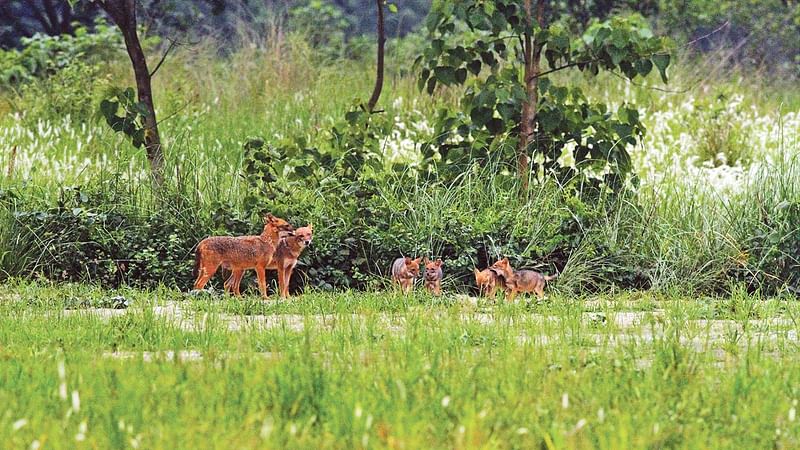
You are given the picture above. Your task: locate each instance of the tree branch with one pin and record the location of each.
(37, 14)
(172, 44)
(376, 92)
(727, 22)
(52, 16)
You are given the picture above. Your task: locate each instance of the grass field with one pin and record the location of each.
(379, 370)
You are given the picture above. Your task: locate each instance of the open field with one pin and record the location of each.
(378, 370)
(673, 322)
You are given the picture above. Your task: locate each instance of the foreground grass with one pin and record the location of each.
(380, 370)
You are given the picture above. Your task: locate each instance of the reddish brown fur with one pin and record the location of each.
(404, 271)
(433, 276)
(488, 282)
(284, 260)
(517, 281)
(240, 253)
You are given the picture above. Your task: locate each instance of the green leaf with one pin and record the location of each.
(116, 123)
(431, 85)
(303, 171)
(108, 108)
(433, 19)
(128, 95)
(628, 115)
(550, 119)
(622, 130)
(138, 137)
(423, 78)
(437, 45)
(544, 84)
(617, 54)
(495, 125)
(461, 75)
(628, 69)
(508, 111)
(392, 8)
(485, 98)
(352, 117)
(623, 160)
(445, 75)
(643, 66)
(662, 62)
(618, 38)
(488, 58)
(475, 67)
(480, 116)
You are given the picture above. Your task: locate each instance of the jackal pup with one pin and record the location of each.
(240, 252)
(404, 271)
(488, 282)
(433, 276)
(520, 280)
(284, 260)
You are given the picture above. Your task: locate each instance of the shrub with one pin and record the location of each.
(42, 55)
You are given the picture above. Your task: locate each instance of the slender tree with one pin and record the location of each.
(532, 56)
(376, 91)
(123, 13)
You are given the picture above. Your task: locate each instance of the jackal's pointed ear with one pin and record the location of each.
(268, 218)
(311, 226)
(476, 271)
(416, 261)
(425, 261)
(438, 262)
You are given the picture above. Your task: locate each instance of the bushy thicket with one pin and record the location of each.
(93, 234)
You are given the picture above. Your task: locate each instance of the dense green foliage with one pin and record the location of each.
(43, 55)
(493, 105)
(276, 125)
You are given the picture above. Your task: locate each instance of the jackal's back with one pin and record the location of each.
(235, 252)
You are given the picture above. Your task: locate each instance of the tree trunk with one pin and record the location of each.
(532, 53)
(376, 91)
(123, 13)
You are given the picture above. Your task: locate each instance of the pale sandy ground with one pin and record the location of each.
(619, 328)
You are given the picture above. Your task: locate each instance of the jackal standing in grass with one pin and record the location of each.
(240, 252)
(284, 260)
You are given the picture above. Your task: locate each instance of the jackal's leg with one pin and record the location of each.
(539, 290)
(229, 282)
(207, 270)
(234, 281)
(510, 294)
(237, 283)
(283, 280)
(262, 281)
(287, 278)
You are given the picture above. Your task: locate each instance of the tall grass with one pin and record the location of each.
(449, 375)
